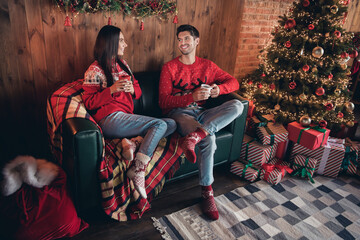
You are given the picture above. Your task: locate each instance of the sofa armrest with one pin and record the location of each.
(82, 152)
(237, 127)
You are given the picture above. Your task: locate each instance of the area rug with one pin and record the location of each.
(293, 209)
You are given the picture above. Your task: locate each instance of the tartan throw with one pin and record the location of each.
(120, 200)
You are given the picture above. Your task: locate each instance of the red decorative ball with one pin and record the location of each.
(306, 3)
(306, 68)
(311, 26)
(344, 55)
(272, 86)
(329, 106)
(330, 76)
(259, 85)
(340, 115)
(263, 75)
(250, 82)
(337, 33)
(320, 91)
(292, 85)
(287, 44)
(175, 20)
(290, 23)
(322, 123)
(353, 54)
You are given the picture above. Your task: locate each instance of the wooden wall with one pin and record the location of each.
(38, 54)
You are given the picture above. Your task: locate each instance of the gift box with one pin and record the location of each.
(309, 137)
(274, 171)
(304, 167)
(255, 153)
(350, 162)
(329, 157)
(267, 131)
(281, 150)
(248, 172)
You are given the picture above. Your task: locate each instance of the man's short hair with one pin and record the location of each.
(191, 29)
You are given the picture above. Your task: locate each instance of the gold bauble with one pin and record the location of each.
(343, 66)
(350, 123)
(276, 60)
(277, 107)
(314, 69)
(337, 92)
(327, 34)
(302, 97)
(349, 106)
(334, 9)
(317, 52)
(305, 121)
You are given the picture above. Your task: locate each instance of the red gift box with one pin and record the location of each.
(309, 137)
(304, 167)
(282, 149)
(245, 171)
(255, 153)
(274, 171)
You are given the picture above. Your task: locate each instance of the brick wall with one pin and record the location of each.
(259, 18)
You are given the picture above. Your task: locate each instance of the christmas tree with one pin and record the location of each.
(303, 75)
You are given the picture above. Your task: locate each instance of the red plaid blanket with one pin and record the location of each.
(120, 200)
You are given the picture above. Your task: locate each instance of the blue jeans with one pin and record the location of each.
(126, 125)
(212, 120)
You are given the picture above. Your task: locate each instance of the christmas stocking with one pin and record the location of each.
(208, 205)
(189, 141)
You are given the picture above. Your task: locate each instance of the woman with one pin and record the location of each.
(109, 89)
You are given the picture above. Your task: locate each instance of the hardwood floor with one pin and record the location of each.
(175, 196)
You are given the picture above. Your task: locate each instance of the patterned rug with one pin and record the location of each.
(293, 209)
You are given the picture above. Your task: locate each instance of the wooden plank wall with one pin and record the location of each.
(39, 54)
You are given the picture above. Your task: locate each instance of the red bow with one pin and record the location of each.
(271, 167)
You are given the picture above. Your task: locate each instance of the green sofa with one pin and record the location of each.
(82, 144)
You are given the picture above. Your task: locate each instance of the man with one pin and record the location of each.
(181, 97)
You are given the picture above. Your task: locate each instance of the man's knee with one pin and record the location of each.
(238, 107)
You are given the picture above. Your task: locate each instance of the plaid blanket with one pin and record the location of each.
(120, 200)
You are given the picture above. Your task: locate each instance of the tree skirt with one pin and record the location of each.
(293, 209)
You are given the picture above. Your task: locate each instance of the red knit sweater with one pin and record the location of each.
(97, 97)
(178, 80)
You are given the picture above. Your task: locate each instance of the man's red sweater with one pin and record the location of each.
(178, 81)
(97, 97)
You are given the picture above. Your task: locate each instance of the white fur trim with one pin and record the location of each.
(27, 169)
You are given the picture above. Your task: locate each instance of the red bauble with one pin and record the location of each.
(311, 26)
(290, 23)
(250, 82)
(340, 115)
(263, 75)
(272, 86)
(329, 106)
(259, 85)
(344, 55)
(67, 22)
(330, 76)
(292, 85)
(306, 68)
(306, 3)
(353, 54)
(320, 91)
(287, 44)
(323, 123)
(337, 33)
(175, 19)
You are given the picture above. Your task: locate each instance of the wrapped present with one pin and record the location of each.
(309, 137)
(281, 150)
(350, 162)
(247, 171)
(274, 171)
(304, 167)
(255, 153)
(329, 157)
(267, 130)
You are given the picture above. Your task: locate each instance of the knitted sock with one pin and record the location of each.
(208, 205)
(189, 141)
(137, 173)
(128, 149)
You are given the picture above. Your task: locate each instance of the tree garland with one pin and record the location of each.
(139, 9)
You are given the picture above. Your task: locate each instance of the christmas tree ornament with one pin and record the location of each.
(327, 34)
(306, 3)
(343, 66)
(344, 55)
(317, 52)
(337, 33)
(350, 123)
(344, 2)
(276, 60)
(340, 115)
(330, 76)
(175, 19)
(301, 51)
(292, 85)
(263, 75)
(277, 107)
(334, 9)
(259, 85)
(349, 106)
(250, 82)
(290, 23)
(314, 69)
(353, 53)
(287, 44)
(322, 123)
(67, 22)
(329, 106)
(272, 86)
(337, 92)
(305, 121)
(311, 26)
(302, 97)
(320, 91)
(305, 68)
(142, 25)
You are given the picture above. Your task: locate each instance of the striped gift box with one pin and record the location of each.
(255, 153)
(245, 171)
(304, 167)
(329, 157)
(274, 171)
(350, 162)
(271, 132)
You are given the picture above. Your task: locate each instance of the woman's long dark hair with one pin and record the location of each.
(106, 49)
